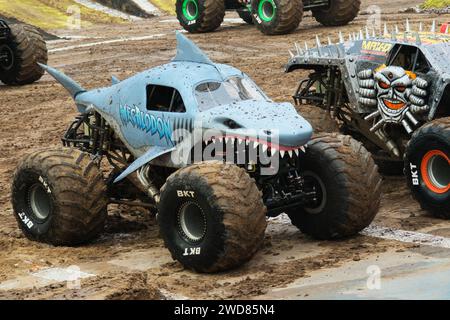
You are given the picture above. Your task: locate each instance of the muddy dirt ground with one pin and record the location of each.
(129, 261)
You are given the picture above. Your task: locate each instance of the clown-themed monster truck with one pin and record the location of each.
(22, 47)
(270, 16)
(202, 144)
(391, 92)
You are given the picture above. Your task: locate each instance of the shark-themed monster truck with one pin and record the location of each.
(270, 16)
(391, 92)
(203, 145)
(22, 47)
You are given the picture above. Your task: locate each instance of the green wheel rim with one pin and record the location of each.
(190, 9)
(267, 10)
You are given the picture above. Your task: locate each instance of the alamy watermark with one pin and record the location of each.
(74, 19)
(374, 279)
(256, 149)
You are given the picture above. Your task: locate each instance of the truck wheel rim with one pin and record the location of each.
(8, 61)
(321, 193)
(192, 222)
(267, 10)
(435, 171)
(40, 202)
(190, 9)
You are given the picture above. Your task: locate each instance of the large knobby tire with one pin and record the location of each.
(348, 186)
(27, 48)
(246, 15)
(338, 13)
(197, 16)
(427, 167)
(275, 17)
(211, 216)
(59, 197)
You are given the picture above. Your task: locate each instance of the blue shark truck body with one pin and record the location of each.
(202, 144)
(149, 135)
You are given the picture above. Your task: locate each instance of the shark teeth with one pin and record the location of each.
(273, 150)
(263, 146)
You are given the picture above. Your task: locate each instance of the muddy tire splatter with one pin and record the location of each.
(427, 167)
(338, 13)
(211, 216)
(28, 48)
(274, 17)
(59, 198)
(198, 16)
(348, 186)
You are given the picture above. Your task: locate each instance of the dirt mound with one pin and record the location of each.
(51, 14)
(126, 6)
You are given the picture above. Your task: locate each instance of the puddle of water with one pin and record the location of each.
(62, 274)
(142, 260)
(45, 277)
(401, 276)
(25, 282)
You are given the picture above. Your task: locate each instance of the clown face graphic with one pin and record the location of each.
(393, 87)
(398, 96)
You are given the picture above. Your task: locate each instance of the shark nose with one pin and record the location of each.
(296, 135)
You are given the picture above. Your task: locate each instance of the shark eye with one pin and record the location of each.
(232, 124)
(400, 88)
(383, 85)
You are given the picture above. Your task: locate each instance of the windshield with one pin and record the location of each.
(213, 94)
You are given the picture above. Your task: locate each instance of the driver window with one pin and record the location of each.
(165, 99)
(405, 57)
(410, 58)
(422, 65)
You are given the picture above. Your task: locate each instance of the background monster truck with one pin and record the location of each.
(22, 47)
(270, 16)
(390, 91)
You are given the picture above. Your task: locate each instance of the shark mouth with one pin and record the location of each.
(267, 147)
(394, 104)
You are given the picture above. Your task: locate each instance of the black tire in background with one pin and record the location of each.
(273, 17)
(338, 13)
(59, 197)
(427, 167)
(246, 15)
(198, 16)
(211, 216)
(348, 185)
(28, 48)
